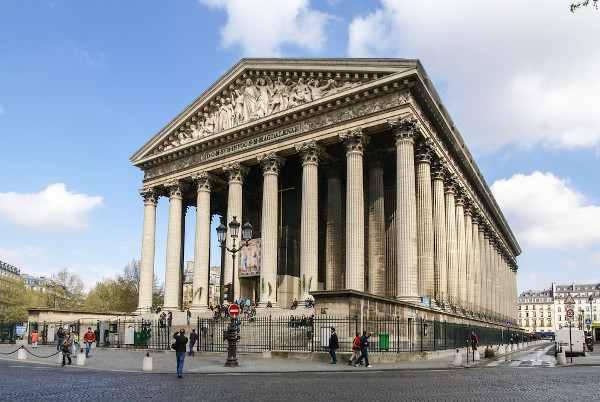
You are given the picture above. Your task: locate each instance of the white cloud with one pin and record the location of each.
(52, 210)
(263, 27)
(521, 73)
(12, 257)
(547, 213)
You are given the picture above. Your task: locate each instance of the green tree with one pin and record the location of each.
(64, 290)
(585, 3)
(15, 298)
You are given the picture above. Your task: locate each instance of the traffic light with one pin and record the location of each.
(237, 328)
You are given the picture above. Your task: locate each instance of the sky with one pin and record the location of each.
(84, 84)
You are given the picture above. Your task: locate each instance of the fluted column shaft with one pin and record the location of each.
(451, 245)
(376, 228)
(202, 241)
(334, 274)
(406, 209)
(476, 266)
(354, 142)
(439, 235)
(425, 222)
(148, 248)
(310, 153)
(271, 164)
(173, 269)
(470, 283)
(461, 255)
(483, 269)
(236, 173)
(488, 270)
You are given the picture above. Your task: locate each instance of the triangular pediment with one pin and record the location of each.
(258, 89)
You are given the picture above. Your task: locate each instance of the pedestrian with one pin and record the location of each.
(170, 318)
(60, 334)
(474, 341)
(364, 353)
(179, 346)
(75, 339)
(35, 338)
(193, 339)
(189, 316)
(88, 338)
(333, 345)
(66, 348)
(355, 348)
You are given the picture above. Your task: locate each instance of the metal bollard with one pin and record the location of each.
(147, 363)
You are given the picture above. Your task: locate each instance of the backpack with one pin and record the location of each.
(65, 347)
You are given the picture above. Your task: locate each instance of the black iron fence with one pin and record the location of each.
(8, 332)
(308, 334)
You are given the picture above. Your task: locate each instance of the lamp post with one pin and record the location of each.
(234, 227)
(230, 334)
(591, 300)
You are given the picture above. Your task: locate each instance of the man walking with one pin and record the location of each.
(193, 339)
(88, 338)
(60, 334)
(364, 353)
(333, 345)
(355, 348)
(180, 341)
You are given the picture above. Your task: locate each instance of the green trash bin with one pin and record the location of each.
(384, 340)
(137, 338)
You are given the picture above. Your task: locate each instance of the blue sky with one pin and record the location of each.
(84, 84)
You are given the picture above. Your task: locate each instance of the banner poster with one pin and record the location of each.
(129, 334)
(250, 259)
(50, 335)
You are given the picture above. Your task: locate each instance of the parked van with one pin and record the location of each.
(561, 341)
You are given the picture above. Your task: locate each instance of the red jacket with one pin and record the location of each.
(89, 337)
(35, 337)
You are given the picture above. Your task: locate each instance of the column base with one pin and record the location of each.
(199, 307)
(264, 305)
(415, 300)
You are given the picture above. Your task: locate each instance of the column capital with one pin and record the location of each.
(150, 195)
(204, 180)
(354, 140)
(310, 152)
(236, 172)
(459, 194)
(175, 188)
(438, 169)
(405, 128)
(424, 150)
(271, 162)
(449, 184)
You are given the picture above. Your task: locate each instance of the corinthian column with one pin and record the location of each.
(355, 209)
(203, 181)
(406, 210)
(271, 164)
(460, 249)
(469, 284)
(174, 266)
(310, 153)
(483, 267)
(451, 248)
(148, 243)
(439, 233)
(236, 173)
(376, 227)
(334, 273)
(476, 264)
(425, 221)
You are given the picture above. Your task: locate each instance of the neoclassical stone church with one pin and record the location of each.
(360, 189)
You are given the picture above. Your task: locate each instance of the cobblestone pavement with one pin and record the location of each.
(34, 381)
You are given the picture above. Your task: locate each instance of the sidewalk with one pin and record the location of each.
(130, 360)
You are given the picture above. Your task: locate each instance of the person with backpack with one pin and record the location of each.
(66, 348)
(474, 340)
(355, 349)
(88, 338)
(364, 352)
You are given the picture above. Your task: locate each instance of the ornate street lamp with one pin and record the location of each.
(234, 227)
(230, 334)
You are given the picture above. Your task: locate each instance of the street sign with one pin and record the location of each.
(425, 301)
(588, 321)
(21, 329)
(569, 299)
(234, 310)
(570, 315)
(508, 323)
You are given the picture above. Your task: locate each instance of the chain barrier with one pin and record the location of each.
(43, 357)
(10, 353)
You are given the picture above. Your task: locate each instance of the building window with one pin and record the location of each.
(549, 324)
(559, 309)
(534, 314)
(519, 314)
(527, 315)
(559, 317)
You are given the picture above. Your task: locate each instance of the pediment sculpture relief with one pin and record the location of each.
(253, 100)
